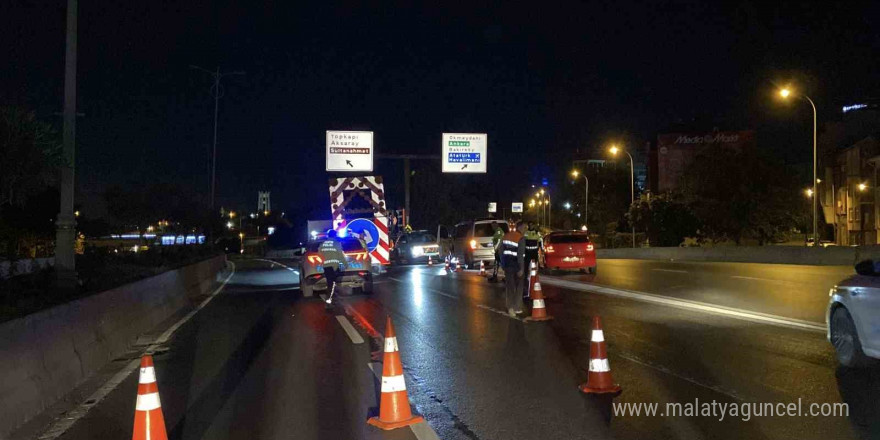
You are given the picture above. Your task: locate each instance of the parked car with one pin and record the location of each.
(358, 273)
(569, 250)
(415, 247)
(853, 316)
(472, 241)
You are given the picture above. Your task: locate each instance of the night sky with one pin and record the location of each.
(545, 82)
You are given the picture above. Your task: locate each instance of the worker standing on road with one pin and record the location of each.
(333, 258)
(496, 244)
(513, 246)
(533, 243)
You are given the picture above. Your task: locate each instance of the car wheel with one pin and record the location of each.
(308, 291)
(845, 340)
(592, 270)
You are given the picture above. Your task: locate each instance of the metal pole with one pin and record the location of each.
(815, 176)
(549, 212)
(632, 192)
(406, 186)
(216, 89)
(587, 202)
(217, 92)
(65, 233)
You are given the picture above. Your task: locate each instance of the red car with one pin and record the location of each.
(569, 250)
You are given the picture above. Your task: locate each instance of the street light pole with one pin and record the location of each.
(632, 187)
(217, 91)
(65, 233)
(575, 174)
(785, 93)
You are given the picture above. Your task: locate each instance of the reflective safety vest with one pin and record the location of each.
(533, 239)
(510, 248)
(496, 237)
(332, 254)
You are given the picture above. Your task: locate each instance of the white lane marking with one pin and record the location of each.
(280, 264)
(61, 426)
(349, 330)
(670, 270)
(500, 312)
(376, 368)
(690, 305)
(422, 430)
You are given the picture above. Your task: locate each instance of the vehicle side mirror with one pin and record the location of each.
(865, 268)
(299, 252)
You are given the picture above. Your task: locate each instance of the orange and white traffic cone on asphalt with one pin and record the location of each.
(539, 312)
(482, 268)
(446, 266)
(458, 266)
(533, 275)
(430, 261)
(599, 380)
(394, 410)
(149, 424)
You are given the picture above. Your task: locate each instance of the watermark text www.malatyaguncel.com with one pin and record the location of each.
(721, 410)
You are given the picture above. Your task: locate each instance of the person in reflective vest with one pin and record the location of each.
(333, 258)
(513, 248)
(496, 244)
(533, 243)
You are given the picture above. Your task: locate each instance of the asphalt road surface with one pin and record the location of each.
(261, 362)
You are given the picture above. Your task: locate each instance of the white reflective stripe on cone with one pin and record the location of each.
(537, 285)
(391, 345)
(148, 402)
(598, 336)
(538, 304)
(599, 365)
(148, 375)
(392, 384)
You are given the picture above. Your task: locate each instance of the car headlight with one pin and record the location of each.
(417, 251)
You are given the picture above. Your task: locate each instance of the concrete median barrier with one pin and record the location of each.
(830, 256)
(47, 354)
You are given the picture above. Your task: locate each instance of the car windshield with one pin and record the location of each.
(486, 229)
(569, 238)
(422, 238)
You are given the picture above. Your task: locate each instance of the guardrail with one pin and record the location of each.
(49, 353)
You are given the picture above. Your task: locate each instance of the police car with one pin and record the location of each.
(357, 274)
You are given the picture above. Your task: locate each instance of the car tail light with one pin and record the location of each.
(549, 249)
(362, 274)
(590, 247)
(315, 259)
(358, 256)
(473, 244)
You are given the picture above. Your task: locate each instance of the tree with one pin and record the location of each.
(30, 152)
(665, 218)
(740, 194)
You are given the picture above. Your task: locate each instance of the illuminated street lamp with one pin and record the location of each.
(229, 225)
(241, 237)
(575, 174)
(862, 187)
(632, 184)
(231, 214)
(808, 192)
(567, 205)
(785, 93)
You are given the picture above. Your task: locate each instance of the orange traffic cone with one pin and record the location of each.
(149, 424)
(533, 275)
(446, 266)
(539, 313)
(482, 268)
(394, 410)
(599, 380)
(430, 261)
(458, 266)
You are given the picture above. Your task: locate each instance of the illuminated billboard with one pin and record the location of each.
(676, 150)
